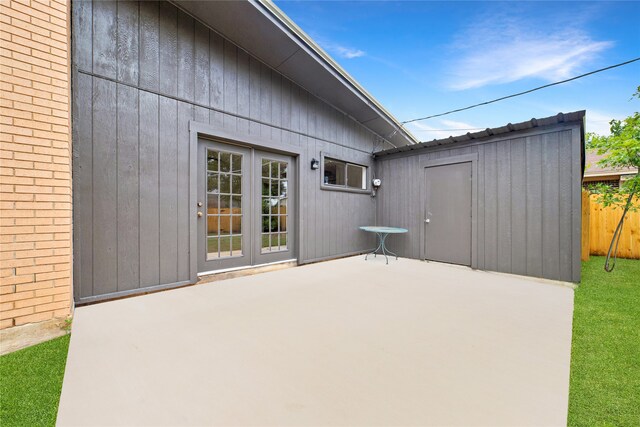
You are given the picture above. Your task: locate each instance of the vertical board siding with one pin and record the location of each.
(83, 187)
(128, 196)
(503, 197)
(534, 205)
(82, 35)
(128, 44)
(185, 114)
(480, 223)
(186, 56)
(491, 225)
(168, 48)
(550, 207)
(131, 138)
(105, 187)
(149, 45)
(254, 96)
(527, 221)
(230, 84)
(168, 153)
(105, 31)
(576, 216)
(518, 244)
(149, 190)
(201, 66)
(565, 177)
(216, 75)
(243, 91)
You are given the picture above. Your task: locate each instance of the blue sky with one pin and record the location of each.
(422, 58)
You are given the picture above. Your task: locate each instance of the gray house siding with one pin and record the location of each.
(528, 200)
(141, 72)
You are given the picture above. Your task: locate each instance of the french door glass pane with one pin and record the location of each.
(212, 160)
(236, 184)
(273, 208)
(224, 212)
(225, 183)
(225, 161)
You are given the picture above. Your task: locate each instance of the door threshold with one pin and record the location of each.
(248, 270)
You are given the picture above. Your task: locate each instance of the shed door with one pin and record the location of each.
(448, 213)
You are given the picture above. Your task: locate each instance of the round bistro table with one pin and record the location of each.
(382, 233)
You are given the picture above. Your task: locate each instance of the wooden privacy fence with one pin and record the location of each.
(598, 225)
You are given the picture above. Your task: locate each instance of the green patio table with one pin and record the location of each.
(382, 233)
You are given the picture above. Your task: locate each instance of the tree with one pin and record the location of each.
(621, 149)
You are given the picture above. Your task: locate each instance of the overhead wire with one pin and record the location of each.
(502, 98)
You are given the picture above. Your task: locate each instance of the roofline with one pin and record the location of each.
(321, 56)
(612, 173)
(489, 133)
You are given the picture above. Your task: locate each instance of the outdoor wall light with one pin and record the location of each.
(315, 164)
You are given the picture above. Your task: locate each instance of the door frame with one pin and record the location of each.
(462, 158)
(199, 130)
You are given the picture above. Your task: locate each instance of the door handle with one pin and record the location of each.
(427, 220)
(199, 214)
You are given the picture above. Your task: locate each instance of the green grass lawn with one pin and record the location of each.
(605, 355)
(30, 384)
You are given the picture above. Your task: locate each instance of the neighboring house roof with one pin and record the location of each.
(264, 31)
(593, 169)
(576, 116)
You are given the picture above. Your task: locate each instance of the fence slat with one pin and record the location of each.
(586, 214)
(603, 222)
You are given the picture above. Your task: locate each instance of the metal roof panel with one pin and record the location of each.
(576, 116)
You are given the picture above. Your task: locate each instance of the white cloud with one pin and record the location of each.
(441, 129)
(598, 122)
(507, 49)
(452, 124)
(338, 49)
(347, 52)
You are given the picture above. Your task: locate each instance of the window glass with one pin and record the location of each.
(356, 177)
(334, 172)
(274, 206)
(343, 174)
(224, 212)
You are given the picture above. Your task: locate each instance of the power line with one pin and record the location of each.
(522, 93)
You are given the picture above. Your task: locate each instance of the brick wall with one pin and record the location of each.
(35, 162)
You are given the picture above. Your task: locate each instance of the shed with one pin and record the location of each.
(505, 199)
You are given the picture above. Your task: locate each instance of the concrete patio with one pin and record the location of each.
(344, 342)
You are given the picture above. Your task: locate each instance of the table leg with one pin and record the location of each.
(375, 250)
(391, 253)
(383, 237)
